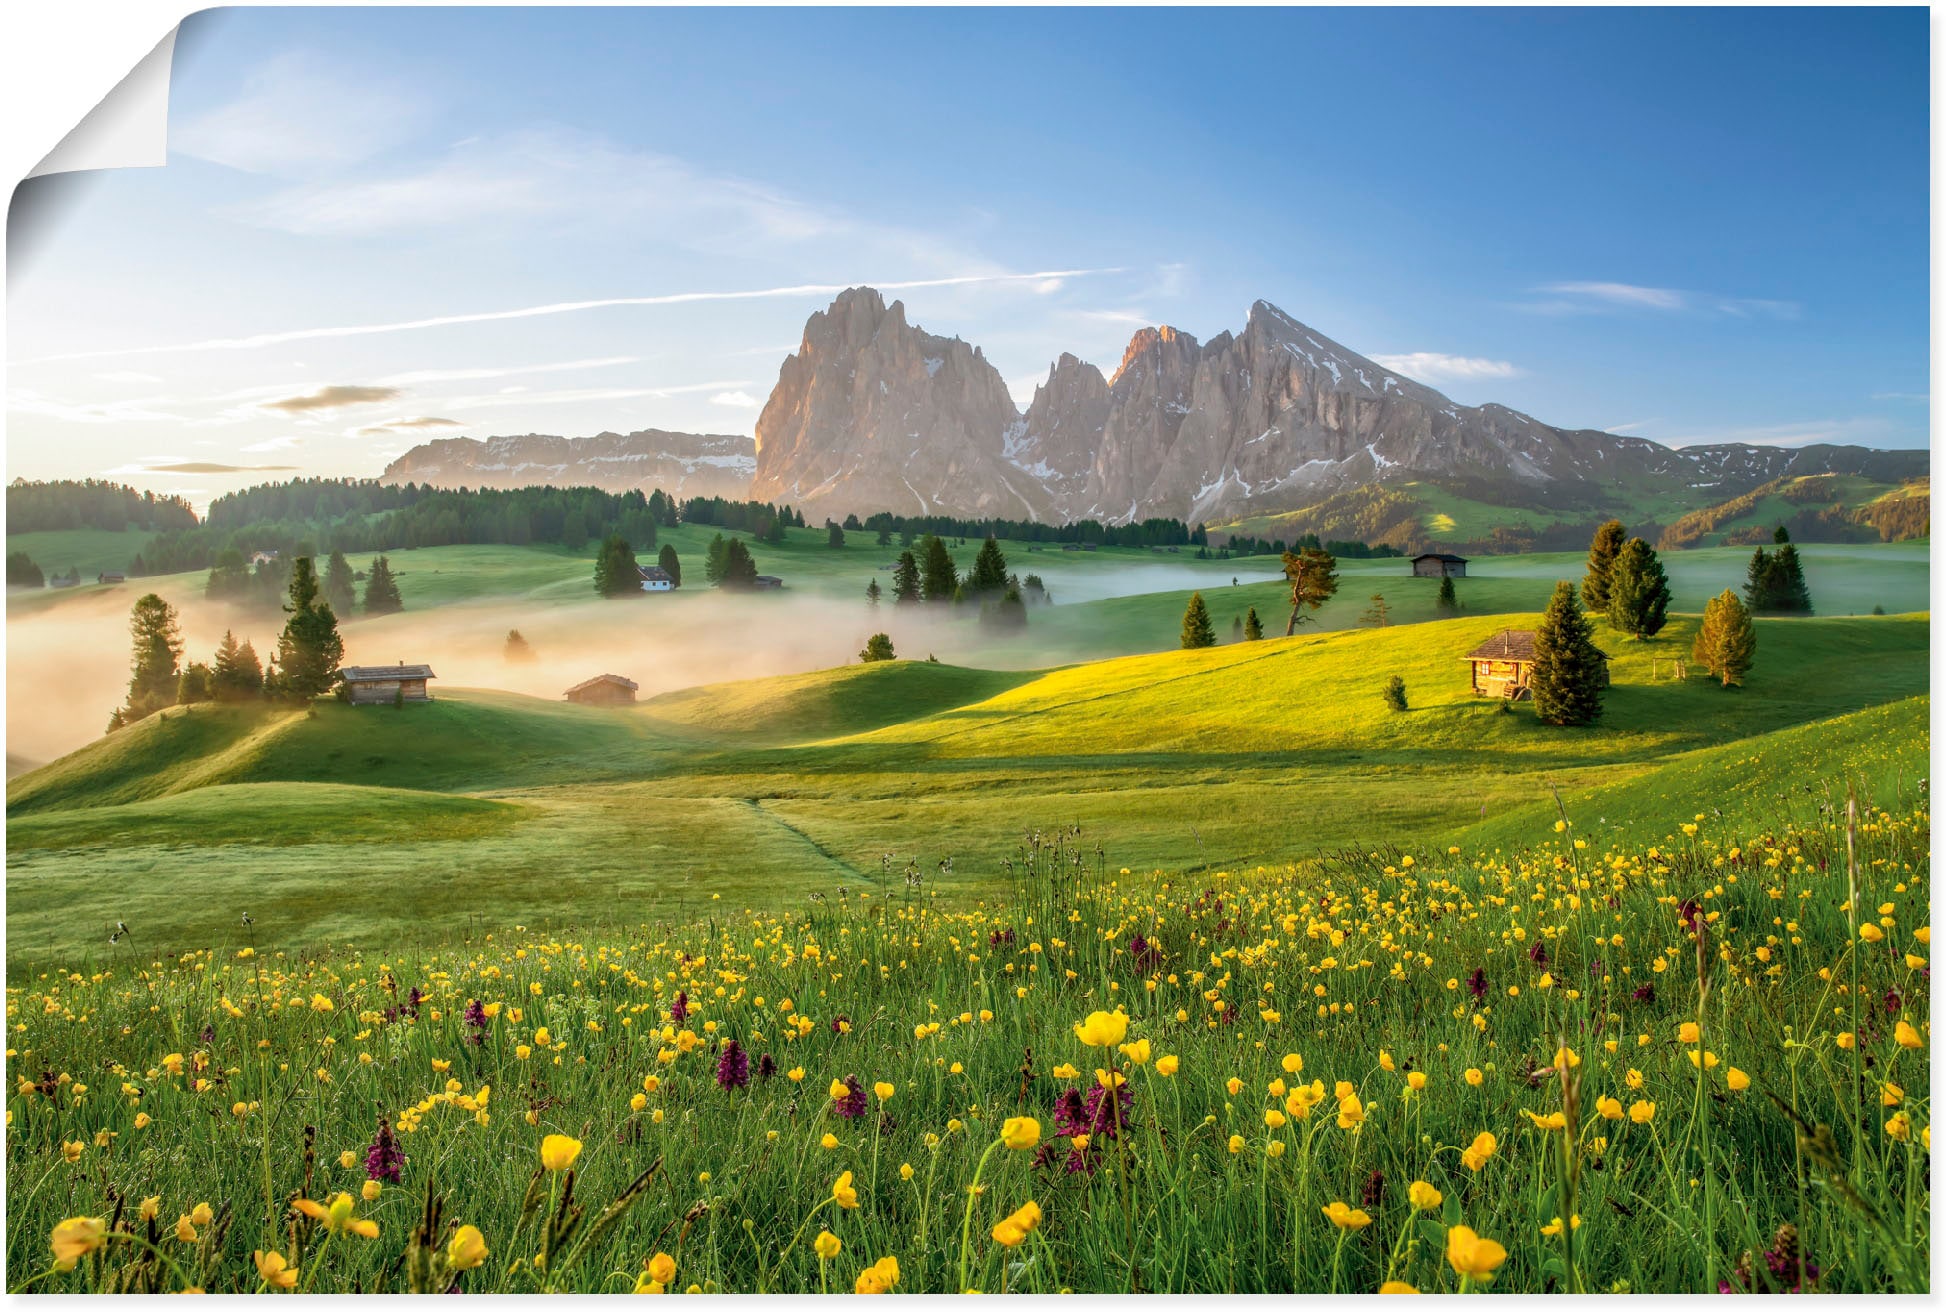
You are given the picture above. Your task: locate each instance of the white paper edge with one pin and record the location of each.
(129, 128)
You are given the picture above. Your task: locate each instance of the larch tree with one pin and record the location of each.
(154, 671)
(1447, 604)
(1726, 644)
(1253, 628)
(1313, 576)
(872, 593)
(236, 675)
(739, 567)
(989, 574)
(1567, 676)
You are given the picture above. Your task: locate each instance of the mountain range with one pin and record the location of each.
(872, 412)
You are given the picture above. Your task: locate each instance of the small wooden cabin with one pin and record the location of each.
(604, 690)
(379, 685)
(1438, 565)
(655, 579)
(1503, 665)
(766, 581)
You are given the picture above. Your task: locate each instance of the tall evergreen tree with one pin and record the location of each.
(229, 577)
(872, 594)
(617, 573)
(1394, 693)
(878, 647)
(1726, 644)
(834, 535)
(717, 560)
(1607, 545)
(1196, 628)
(1638, 591)
(1236, 628)
(1008, 611)
(517, 650)
(382, 589)
(22, 572)
(1756, 582)
(1313, 575)
(1253, 628)
(1566, 681)
(739, 568)
(153, 673)
(197, 684)
(1789, 592)
(1447, 604)
(989, 569)
(671, 564)
(236, 675)
(337, 584)
(905, 580)
(938, 577)
(310, 650)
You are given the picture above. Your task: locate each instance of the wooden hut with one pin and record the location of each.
(1503, 665)
(604, 690)
(379, 685)
(1438, 565)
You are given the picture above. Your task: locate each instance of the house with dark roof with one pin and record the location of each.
(1503, 665)
(1438, 565)
(378, 685)
(604, 690)
(655, 578)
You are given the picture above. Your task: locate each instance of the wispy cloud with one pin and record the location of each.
(739, 400)
(335, 397)
(417, 424)
(1436, 367)
(796, 291)
(270, 444)
(1632, 427)
(295, 115)
(127, 376)
(1861, 431)
(419, 377)
(1603, 297)
(25, 401)
(181, 467)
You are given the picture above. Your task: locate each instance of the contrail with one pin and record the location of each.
(560, 307)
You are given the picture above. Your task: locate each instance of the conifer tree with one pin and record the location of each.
(338, 589)
(1378, 614)
(1313, 575)
(989, 569)
(670, 563)
(616, 572)
(716, 561)
(1394, 694)
(1253, 628)
(310, 649)
(1756, 581)
(739, 568)
(1447, 604)
(1788, 591)
(1638, 591)
(153, 673)
(382, 590)
(236, 675)
(1607, 544)
(1196, 629)
(1236, 628)
(517, 651)
(22, 572)
(834, 536)
(1008, 611)
(905, 580)
(878, 647)
(197, 684)
(1567, 675)
(872, 593)
(938, 577)
(1726, 644)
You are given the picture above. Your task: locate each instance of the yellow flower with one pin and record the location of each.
(71, 1150)
(337, 1217)
(466, 1249)
(347, 1159)
(1479, 1151)
(558, 1152)
(829, 1141)
(1274, 1118)
(1137, 1052)
(1871, 933)
(1737, 1080)
(842, 1191)
(1013, 1231)
(1472, 1256)
(1423, 1196)
(827, 1245)
(185, 1231)
(795, 1075)
(661, 1268)
(1551, 1121)
(839, 1091)
(1351, 1112)
(1293, 1064)
(75, 1238)
(1690, 1032)
(1347, 1218)
(1555, 1227)
(1642, 1111)
(1609, 1108)
(202, 1214)
(878, 1278)
(1907, 1036)
(1416, 1081)
(1067, 1070)
(1168, 1065)
(1385, 1061)
(1234, 1085)
(1474, 1077)
(884, 1091)
(274, 1271)
(1703, 1059)
(1846, 1040)
(371, 1190)
(1891, 1095)
(1899, 1127)
(1396, 1287)
(1021, 1133)
(1236, 1144)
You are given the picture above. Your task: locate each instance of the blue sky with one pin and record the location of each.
(1689, 225)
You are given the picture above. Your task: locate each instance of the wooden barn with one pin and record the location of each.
(604, 690)
(1438, 565)
(1503, 665)
(381, 685)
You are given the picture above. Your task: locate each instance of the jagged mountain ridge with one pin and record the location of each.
(681, 464)
(874, 413)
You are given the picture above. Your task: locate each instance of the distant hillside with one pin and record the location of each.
(683, 465)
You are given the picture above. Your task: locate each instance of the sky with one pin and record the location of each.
(379, 227)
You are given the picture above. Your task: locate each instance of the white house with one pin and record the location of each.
(655, 578)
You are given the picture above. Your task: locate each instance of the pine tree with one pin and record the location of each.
(1394, 694)
(1196, 630)
(22, 572)
(517, 651)
(236, 675)
(1638, 591)
(1567, 676)
(671, 564)
(617, 574)
(989, 569)
(1789, 593)
(872, 594)
(1756, 582)
(885, 537)
(717, 561)
(905, 580)
(834, 536)
(337, 584)
(1236, 628)
(1378, 614)
(310, 649)
(1008, 611)
(1447, 605)
(1253, 628)
(1313, 575)
(739, 568)
(878, 647)
(229, 577)
(1602, 551)
(938, 578)
(153, 673)
(382, 590)
(197, 684)
(1726, 644)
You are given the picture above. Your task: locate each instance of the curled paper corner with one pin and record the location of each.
(129, 128)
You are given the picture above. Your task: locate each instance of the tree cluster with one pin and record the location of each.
(1774, 583)
(91, 503)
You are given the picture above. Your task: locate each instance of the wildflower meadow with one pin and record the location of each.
(1695, 1066)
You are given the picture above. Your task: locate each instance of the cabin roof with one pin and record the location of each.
(615, 679)
(384, 673)
(653, 573)
(1439, 555)
(1511, 645)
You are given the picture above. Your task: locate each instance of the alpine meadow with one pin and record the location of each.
(930, 809)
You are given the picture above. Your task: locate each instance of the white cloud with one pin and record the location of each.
(139, 411)
(127, 376)
(272, 444)
(420, 376)
(1862, 431)
(740, 400)
(1435, 367)
(1595, 297)
(294, 116)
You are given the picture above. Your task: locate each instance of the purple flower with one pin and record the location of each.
(679, 1012)
(1538, 953)
(853, 1103)
(1476, 984)
(1145, 954)
(733, 1067)
(476, 1021)
(383, 1160)
(766, 1066)
(412, 1001)
(1644, 994)
(1892, 1002)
